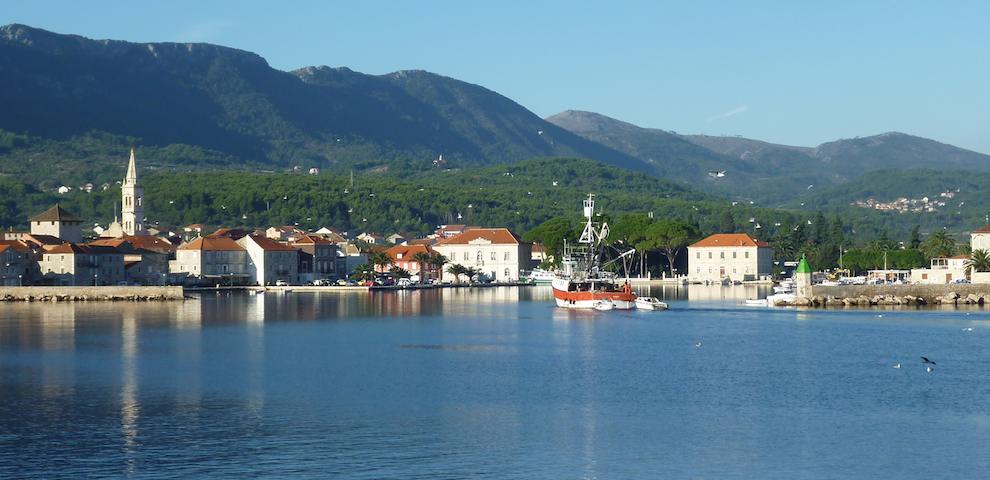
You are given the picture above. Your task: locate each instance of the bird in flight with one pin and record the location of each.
(925, 359)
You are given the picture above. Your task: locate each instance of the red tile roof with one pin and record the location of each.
(983, 229)
(55, 214)
(729, 240)
(313, 239)
(14, 244)
(212, 244)
(493, 235)
(407, 252)
(270, 245)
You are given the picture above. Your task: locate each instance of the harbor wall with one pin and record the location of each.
(927, 292)
(91, 293)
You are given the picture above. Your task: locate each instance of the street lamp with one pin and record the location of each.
(20, 281)
(96, 279)
(163, 279)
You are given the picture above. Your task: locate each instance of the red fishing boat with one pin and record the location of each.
(583, 282)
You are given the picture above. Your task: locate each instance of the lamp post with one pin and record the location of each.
(96, 279)
(20, 280)
(163, 278)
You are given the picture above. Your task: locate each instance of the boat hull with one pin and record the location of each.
(623, 300)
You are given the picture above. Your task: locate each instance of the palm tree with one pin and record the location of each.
(979, 261)
(398, 272)
(380, 260)
(456, 270)
(364, 272)
(422, 259)
(938, 245)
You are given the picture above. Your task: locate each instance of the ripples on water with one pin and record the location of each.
(489, 383)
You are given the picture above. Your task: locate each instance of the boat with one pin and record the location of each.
(604, 305)
(540, 276)
(786, 286)
(583, 280)
(756, 302)
(650, 303)
(779, 298)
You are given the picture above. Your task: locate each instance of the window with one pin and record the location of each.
(733, 254)
(721, 254)
(747, 254)
(507, 255)
(493, 256)
(924, 276)
(506, 273)
(466, 256)
(709, 256)
(697, 255)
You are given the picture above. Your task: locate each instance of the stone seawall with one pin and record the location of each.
(107, 293)
(923, 291)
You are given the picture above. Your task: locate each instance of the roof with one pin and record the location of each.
(14, 244)
(423, 241)
(270, 245)
(729, 240)
(803, 266)
(493, 235)
(212, 244)
(983, 229)
(312, 239)
(55, 214)
(195, 226)
(407, 251)
(234, 233)
(42, 240)
(73, 248)
(140, 242)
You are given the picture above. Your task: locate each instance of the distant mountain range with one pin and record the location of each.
(71, 107)
(765, 171)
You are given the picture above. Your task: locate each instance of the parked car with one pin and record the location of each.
(281, 283)
(404, 282)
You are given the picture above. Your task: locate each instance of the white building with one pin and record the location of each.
(58, 223)
(497, 253)
(132, 201)
(729, 257)
(271, 261)
(942, 271)
(212, 260)
(979, 239)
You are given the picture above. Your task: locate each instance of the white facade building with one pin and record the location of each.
(271, 261)
(729, 257)
(942, 271)
(497, 253)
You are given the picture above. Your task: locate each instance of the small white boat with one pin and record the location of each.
(777, 299)
(756, 302)
(650, 303)
(604, 305)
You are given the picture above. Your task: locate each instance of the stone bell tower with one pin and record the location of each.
(132, 201)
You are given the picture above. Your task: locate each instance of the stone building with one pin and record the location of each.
(59, 223)
(729, 257)
(499, 254)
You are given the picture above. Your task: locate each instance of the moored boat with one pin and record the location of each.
(650, 303)
(584, 282)
(604, 305)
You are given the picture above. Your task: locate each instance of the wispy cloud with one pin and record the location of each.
(724, 115)
(206, 31)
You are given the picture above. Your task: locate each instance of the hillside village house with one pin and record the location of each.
(318, 259)
(497, 252)
(73, 264)
(212, 260)
(271, 261)
(58, 223)
(403, 256)
(15, 263)
(284, 233)
(942, 271)
(371, 238)
(729, 257)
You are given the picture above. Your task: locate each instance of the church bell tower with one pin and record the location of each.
(132, 201)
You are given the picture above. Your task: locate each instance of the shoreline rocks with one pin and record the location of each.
(86, 298)
(951, 298)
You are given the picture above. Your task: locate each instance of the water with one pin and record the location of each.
(489, 383)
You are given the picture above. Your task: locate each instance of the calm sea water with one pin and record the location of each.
(489, 383)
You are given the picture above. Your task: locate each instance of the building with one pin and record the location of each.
(74, 264)
(450, 231)
(371, 238)
(284, 233)
(331, 234)
(190, 232)
(318, 259)
(58, 223)
(15, 263)
(271, 261)
(942, 271)
(979, 239)
(395, 238)
(404, 257)
(729, 257)
(352, 256)
(212, 261)
(497, 253)
(146, 258)
(132, 201)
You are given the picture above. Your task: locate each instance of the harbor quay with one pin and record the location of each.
(885, 295)
(91, 293)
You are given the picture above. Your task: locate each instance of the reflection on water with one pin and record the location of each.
(489, 382)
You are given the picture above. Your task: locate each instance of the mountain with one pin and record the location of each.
(201, 105)
(767, 172)
(690, 159)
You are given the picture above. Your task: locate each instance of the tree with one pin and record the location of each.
(939, 244)
(726, 224)
(422, 259)
(670, 237)
(437, 261)
(398, 272)
(457, 270)
(979, 261)
(915, 240)
(380, 259)
(551, 234)
(364, 272)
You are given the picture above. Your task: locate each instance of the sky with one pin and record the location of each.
(794, 72)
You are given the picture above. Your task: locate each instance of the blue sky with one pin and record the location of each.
(796, 72)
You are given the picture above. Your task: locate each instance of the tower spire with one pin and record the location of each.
(131, 169)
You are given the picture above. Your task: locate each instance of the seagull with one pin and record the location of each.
(539, 132)
(897, 365)
(810, 186)
(735, 203)
(555, 183)
(697, 345)
(925, 359)
(345, 191)
(968, 329)
(929, 369)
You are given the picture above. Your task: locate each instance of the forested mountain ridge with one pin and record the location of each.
(227, 108)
